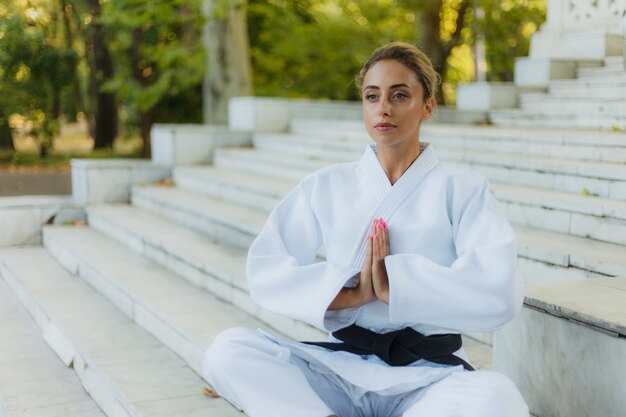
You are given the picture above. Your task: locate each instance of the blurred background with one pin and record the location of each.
(88, 78)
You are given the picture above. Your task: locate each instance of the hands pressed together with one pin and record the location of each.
(373, 283)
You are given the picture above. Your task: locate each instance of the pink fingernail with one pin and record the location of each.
(377, 236)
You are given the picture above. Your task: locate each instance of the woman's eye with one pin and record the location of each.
(400, 96)
(371, 97)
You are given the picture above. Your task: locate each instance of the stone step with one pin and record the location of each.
(537, 144)
(232, 185)
(576, 145)
(337, 128)
(570, 336)
(204, 263)
(557, 105)
(542, 209)
(225, 222)
(599, 179)
(614, 62)
(607, 73)
(559, 118)
(266, 164)
(584, 216)
(584, 89)
(21, 217)
(577, 214)
(544, 255)
(33, 381)
(125, 369)
(563, 142)
(214, 268)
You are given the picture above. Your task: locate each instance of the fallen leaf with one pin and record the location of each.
(210, 393)
(166, 182)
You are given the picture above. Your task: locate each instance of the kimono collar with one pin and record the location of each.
(371, 166)
(390, 198)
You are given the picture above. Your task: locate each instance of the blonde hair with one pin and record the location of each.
(411, 57)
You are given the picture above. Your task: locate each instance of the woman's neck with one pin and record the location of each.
(395, 160)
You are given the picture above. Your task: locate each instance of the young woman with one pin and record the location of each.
(415, 255)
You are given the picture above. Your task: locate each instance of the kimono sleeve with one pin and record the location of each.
(479, 291)
(283, 273)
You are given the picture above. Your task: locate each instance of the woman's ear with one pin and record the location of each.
(429, 107)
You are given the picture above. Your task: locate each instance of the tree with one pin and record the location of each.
(326, 46)
(229, 71)
(35, 69)
(507, 26)
(103, 118)
(441, 25)
(158, 53)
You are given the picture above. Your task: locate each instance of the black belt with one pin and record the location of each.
(399, 347)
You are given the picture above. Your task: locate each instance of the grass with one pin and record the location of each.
(72, 143)
(9, 159)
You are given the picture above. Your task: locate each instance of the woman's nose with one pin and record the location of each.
(384, 109)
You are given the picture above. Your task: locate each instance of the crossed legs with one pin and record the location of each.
(265, 380)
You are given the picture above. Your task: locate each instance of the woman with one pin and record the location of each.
(414, 248)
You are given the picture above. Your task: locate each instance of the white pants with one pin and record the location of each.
(265, 380)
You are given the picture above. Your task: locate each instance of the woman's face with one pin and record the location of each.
(393, 103)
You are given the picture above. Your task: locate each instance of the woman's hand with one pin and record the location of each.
(365, 287)
(373, 283)
(363, 293)
(380, 281)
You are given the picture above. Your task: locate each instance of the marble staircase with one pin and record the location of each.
(596, 98)
(167, 271)
(131, 299)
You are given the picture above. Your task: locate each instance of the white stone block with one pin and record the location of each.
(537, 72)
(23, 217)
(575, 46)
(607, 230)
(486, 96)
(534, 271)
(539, 218)
(563, 369)
(189, 144)
(259, 114)
(109, 181)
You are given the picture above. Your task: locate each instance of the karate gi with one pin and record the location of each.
(451, 269)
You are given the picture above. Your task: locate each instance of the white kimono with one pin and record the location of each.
(451, 266)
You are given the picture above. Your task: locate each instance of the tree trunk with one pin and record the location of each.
(146, 120)
(78, 105)
(229, 71)
(6, 135)
(432, 44)
(105, 106)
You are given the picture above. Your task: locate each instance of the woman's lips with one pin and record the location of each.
(384, 127)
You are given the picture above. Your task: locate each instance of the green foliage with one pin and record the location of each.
(327, 43)
(159, 56)
(507, 26)
(34, 69)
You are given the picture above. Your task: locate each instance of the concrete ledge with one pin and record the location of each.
(259, 114)
(575, 46)
(110, 180)
(188, 144)
(566, 349)
(538, 72)
(485, 96)
(23, 217)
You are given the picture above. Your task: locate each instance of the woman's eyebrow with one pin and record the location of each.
(375, 87)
